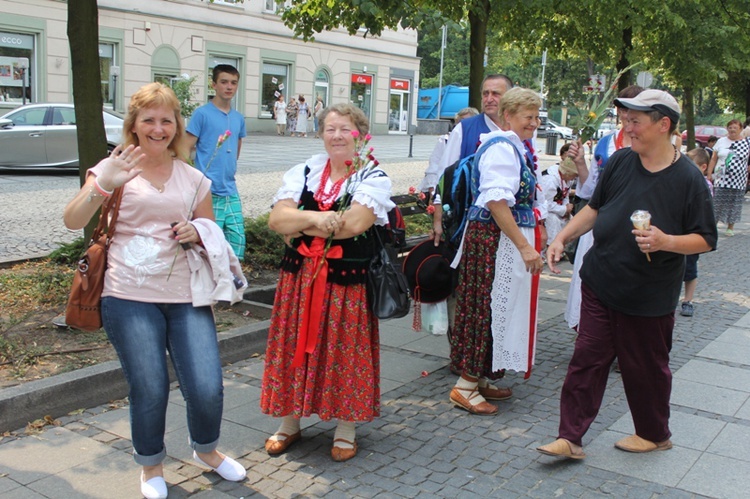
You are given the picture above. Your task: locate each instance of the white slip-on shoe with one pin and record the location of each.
(229, 469)
(154, 488)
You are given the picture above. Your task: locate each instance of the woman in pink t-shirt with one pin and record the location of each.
(147, 304)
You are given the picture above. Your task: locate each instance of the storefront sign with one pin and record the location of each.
(400, 85)
(16, 40)
(366, 79)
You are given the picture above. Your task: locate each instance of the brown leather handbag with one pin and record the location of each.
(84, 303)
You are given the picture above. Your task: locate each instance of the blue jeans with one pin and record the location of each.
(141, 334)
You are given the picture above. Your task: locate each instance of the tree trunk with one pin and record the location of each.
(688, 107)
(83, 36)
(747, 98)
(625, 49)
(478, 20)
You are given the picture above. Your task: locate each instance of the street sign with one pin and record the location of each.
(644, 79)
(597, 83)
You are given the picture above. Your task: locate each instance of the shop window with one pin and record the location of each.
(274, 6)
(164, 78)
(274, 83)
(322, 86)
(107, 53)
(17, 63)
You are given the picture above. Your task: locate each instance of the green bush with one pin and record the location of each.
(263, 247)
(417, 225)
(68, 253)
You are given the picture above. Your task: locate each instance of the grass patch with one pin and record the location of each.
(26, 287)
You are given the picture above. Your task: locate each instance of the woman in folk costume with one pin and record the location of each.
(323, 353)
(500, 252)
(556, 186)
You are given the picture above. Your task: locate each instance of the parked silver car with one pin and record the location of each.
(44, 136)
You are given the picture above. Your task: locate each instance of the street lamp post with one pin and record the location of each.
(23, 64)
(440, 85)
(115, 72)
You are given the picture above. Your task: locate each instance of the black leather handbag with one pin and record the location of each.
(387, 287)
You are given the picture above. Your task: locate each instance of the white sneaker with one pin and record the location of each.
(229, 469)
(154, 488)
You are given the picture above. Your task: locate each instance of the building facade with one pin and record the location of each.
(163, 40)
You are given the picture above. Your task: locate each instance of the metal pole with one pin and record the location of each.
(411, 139)
(114, 70)
(23, 85)
(541, 89)
(114, 92)
(440, 84)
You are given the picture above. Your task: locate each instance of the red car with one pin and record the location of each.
(703, 132)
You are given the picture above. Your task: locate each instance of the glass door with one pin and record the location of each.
(398, 112)
(361, 92)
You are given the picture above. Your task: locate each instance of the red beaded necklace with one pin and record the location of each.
(619, 138)
(326, 200)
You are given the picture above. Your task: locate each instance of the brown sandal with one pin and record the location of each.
(276, 447)
(482, 409)
(490, 392)
(339, 454)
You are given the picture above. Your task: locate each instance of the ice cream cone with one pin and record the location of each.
(641, 221)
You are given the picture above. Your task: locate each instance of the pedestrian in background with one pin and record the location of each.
(319, 106)
(292, 110)
(687, 309)
(728, 172)
(302, 116)
(279, 113)
(208, 123)
(556, 185)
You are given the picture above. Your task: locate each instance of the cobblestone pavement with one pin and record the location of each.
(421, 446)
(31, 204)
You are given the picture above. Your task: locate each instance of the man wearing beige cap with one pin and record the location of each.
(631, 278)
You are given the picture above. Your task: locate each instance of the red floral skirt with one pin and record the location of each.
(471, 341)
(341, 377)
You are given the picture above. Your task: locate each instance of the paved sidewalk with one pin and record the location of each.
(421, 446)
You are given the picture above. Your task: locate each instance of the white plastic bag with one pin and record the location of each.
(435, 317)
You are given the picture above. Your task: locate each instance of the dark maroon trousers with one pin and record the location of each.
(641, 346)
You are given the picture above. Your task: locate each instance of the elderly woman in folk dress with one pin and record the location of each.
(496, 330)
(323, 354)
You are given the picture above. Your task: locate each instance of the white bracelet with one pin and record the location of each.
(104, 192)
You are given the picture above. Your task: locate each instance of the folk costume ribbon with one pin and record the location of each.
(534, 297)
(313, 296)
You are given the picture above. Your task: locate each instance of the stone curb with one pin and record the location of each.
(96, 385)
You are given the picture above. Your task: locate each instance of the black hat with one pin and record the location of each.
(428, 270)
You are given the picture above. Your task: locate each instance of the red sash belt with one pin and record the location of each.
(534, 297)
(313, 295)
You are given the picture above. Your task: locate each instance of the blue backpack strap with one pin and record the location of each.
(486, 145)
(468, 167)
